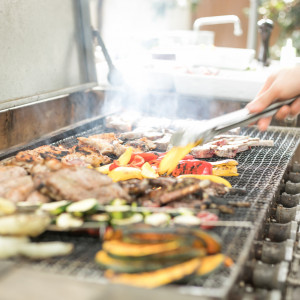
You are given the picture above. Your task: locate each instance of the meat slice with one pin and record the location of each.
(120, 123)
(142, 144)
(204, 151)
(41, 153)
(105, 144)
(9, 172)
(36, 198)
(163, 143)
(16, 189)
(78, 183)
(229, 151)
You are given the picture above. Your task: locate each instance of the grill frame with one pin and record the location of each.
(242, 228)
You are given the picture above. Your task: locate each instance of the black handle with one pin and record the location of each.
(265, 27)
(114, 77)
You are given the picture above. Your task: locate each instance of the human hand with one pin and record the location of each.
(283, 85)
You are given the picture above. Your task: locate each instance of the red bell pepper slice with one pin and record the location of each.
(199, 167)
(114, 164)
(147, 156)
(137, 162)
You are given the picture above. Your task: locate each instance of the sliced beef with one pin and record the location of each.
(79, 183)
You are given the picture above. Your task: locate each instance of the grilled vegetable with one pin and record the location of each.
(212, 178)
(137, 162)
(225, 167)
(211, 241)
(118, 209)
(66, 220)
(187, 220)
(103, 169)
(7, 207)
(148, 171)
(225, 171)
(125, 157)
(210, 264)
(100, 218)
(86, 206)
(55, 208)
(171, 159)
(125, 173)
(225, 162)
(24, 224)
(147, 156)
(158, 219)
(134, 219)
(136, 266)
(156, 278)
(120, 249)
(193, 167)
(45, 250)
(9, 246)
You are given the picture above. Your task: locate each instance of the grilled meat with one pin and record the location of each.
(141, 132)
(41, 153)
(228, 146)
(9, 172)
(179, 189)
(106, 143)
(136, 187)
(205, 151)
(121, 123)
(36, 198)
(78, 183)
(163, 142)
(143, 144)
(16, 189)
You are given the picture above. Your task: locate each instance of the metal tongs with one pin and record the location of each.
(216, 126)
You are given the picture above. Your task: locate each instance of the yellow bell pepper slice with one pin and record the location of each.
(172, 158)
(125, 173)
(212, 178)
(103, 169)
(148, 171)
(225, 162)
(125, 157)
(224, 170)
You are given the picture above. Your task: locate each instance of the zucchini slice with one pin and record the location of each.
(134, 219)
(82, 207)
(187, 220)
(66, 220)
(157, 219)
(55, 208)
(99, 218)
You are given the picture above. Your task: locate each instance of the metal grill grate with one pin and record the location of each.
(261, 170)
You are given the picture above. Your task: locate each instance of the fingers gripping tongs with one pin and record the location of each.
(216, 126)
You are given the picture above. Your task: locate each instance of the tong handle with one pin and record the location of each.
(244, 117)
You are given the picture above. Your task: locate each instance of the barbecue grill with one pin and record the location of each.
(261, 239)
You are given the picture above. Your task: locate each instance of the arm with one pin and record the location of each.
(283, 85)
